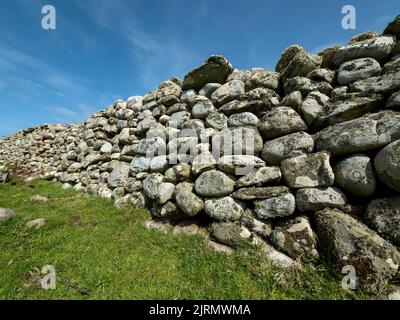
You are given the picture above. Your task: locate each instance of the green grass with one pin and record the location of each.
(101, 252)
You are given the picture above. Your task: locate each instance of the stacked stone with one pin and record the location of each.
(315, 154)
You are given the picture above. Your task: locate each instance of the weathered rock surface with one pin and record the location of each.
(358, 69)
(296, 238)
(264, 175)
(367, 133)
(279, 122)
(259, 193)
(239, 165)
(384, 217)
(223, 209)
(119, 175)
(347, 242)
(4, 174)
(230, 234)
(215, 70)
(276, 207)
(356, 175)
(37, 223)
(214, 184)
(377, 48)
(187, 200)
(315, 199)
(290, 146)
(387, 165)
(295, 61)
(6, 214)
(307, 171)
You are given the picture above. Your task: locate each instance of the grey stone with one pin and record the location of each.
(323, 74)
(306, 85)
(243, 140)
(4, 174)
(230, 234)
(203, 162)
(347, 107)
(119, 175)
(378, 48)
(384, 217)
(37, 223)
(106, 148)
(394, 27)
(296, 238)
(159, 164)
(202, 109)
(139, 164)
(293, 100)
(295, 61)
(308, 171)
(178, 119)
(243, 119)
(214, 184)
(290, 146)
(264, 175)
(385, 84)
(347, 242)
(387, 165)
(358, 69)
(256, 78)
(359, 135)
(216, 69)
(209, 89)
(6, 214)
(259, 193)
(217, 121)
(167, 212)
(178, 173)
(223, 209)
(151, 147)
(394, 100)
(188, 202)
(152, 184)
(363, 36)
(280, 122)
(355, 175)
(228, 92)
(239, 165)
(276, 207)
(315, 199)
(261, 228)
(313, 106)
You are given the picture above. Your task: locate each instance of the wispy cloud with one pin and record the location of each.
(158, 54)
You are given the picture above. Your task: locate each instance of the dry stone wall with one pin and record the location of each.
(304, 160)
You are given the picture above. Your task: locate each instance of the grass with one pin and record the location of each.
(100, 252)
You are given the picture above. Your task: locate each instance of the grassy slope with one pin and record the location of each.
(107, 251)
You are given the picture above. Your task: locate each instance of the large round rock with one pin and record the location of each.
(214, 184)
(276, 207)
(387, 165)
(223, 209)
(355, 175)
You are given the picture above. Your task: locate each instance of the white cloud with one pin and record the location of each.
(62, 111)
(158, 54)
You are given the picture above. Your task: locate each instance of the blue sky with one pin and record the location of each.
(103, 50)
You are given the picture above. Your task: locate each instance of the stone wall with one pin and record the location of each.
(304, 159)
